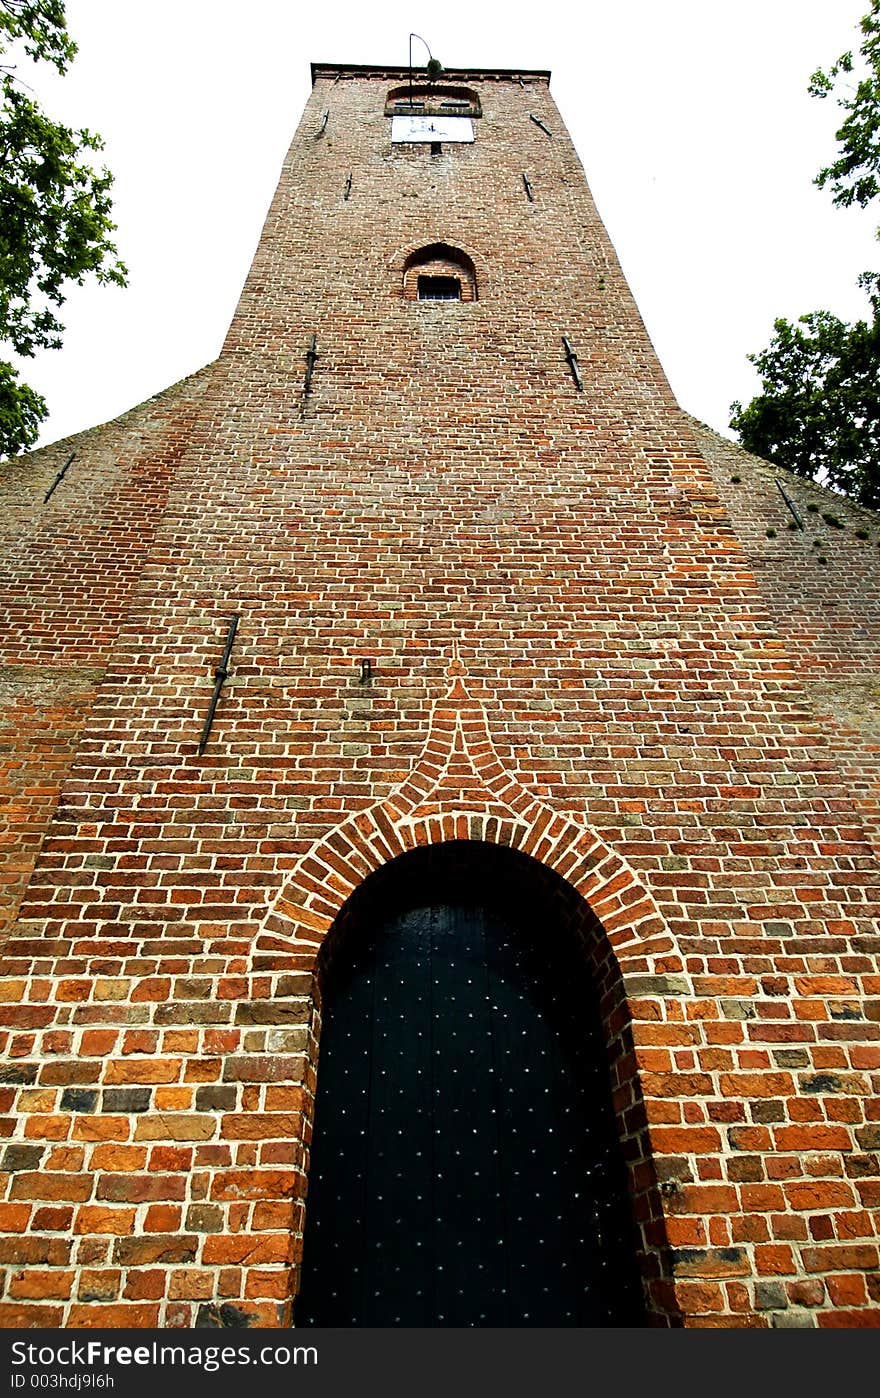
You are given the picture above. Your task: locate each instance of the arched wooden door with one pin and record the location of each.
(465, 1169)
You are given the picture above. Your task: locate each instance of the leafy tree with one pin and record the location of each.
(855, 175)
(819, 412)
(55, 226)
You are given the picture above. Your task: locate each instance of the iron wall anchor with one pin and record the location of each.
(219, 677)
(573, 364)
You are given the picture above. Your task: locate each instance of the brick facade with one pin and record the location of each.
(584, 645)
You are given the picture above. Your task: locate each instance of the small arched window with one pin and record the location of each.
(423, 99)
(439, 272)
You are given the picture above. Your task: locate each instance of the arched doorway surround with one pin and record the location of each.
(459, 789)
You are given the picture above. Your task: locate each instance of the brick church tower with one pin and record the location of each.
(536, 822)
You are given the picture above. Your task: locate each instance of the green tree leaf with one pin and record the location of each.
(819, 411)
(42, 27)
(855, 175)
(21, 412)
(55, 207)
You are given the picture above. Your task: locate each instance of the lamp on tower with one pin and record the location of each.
(434, 68)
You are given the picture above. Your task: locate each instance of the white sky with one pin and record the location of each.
(691, 118)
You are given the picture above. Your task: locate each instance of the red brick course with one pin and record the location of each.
(583, 646)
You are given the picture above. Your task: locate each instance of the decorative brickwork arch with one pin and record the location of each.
(431, 100)
(435, 263)
(306, 909)
(459, 790)
(437, 257)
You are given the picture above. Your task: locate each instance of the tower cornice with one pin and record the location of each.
(402, 72)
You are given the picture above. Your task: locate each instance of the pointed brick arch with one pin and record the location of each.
(459, 789)
(326, 877)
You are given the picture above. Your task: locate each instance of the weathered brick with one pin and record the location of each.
(204, 1218)
(44, 1185)
(15, 1316)
(216, 1098)
(273, 1012)
(79, 1099)
(21, 1157)
(38, 1285)
(175, 1126)
(101, 1128)
(101, 1285)
(120, 1316)
(64, 1073)
(114, 1157)
(20, 1251)
(136, 1070)
(162, 1218)
(262, 1068)
(14, 1218)
(144, 1285)
(125, 1099)
(260, 1126)
(191, 1284)
(252, 1248)
(770, 1296)
(255, 1184)
(49, 1219)
(95, 1219)
(137, 1189)
(160, 1248)
(710, 1262)
(18, 1072)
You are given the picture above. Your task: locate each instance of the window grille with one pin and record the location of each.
(439, 289)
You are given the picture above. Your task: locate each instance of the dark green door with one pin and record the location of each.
(465, 1167)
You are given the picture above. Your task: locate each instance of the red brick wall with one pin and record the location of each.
(625, 708)
(821, 585)
(69, 566)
